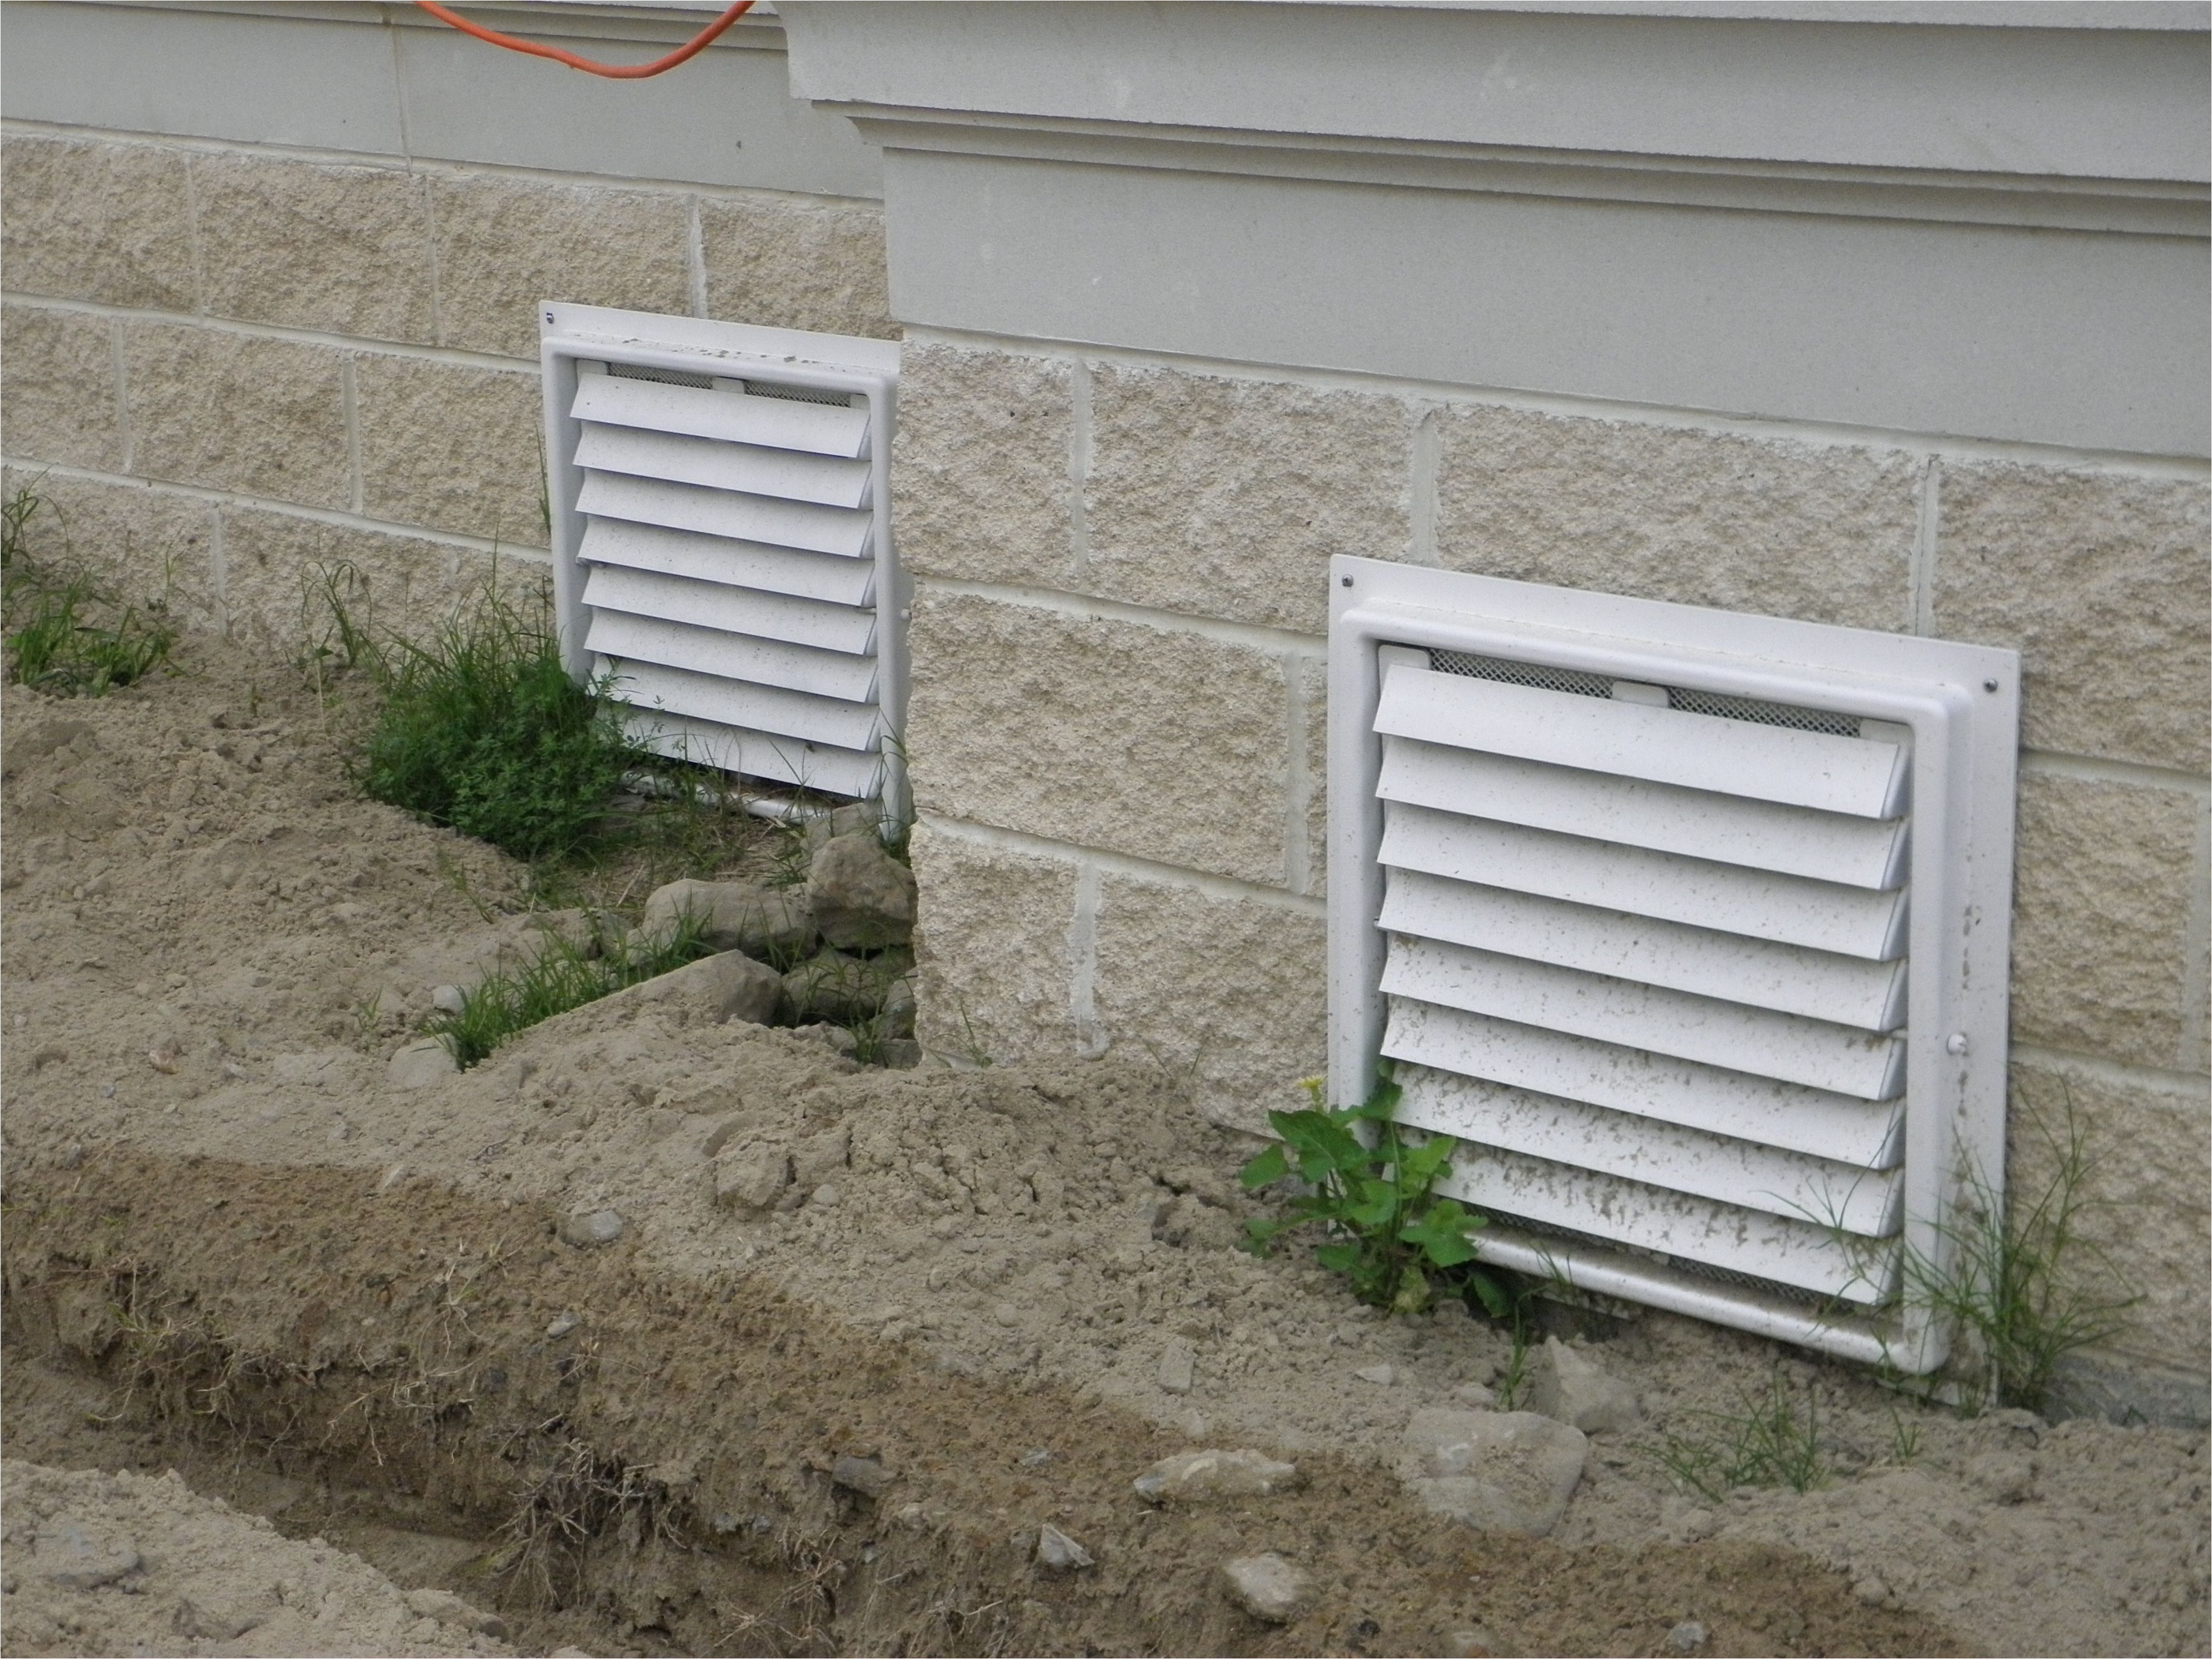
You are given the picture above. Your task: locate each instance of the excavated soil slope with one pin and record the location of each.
(236, 1244)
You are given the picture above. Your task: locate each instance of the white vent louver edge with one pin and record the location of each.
(721, 540)
(1691, 926)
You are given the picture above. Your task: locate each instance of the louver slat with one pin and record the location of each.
(1787, 910)
(1726, 1235)
(1856, 775)
(740, 564)
(1724, 1034)
(1846, 990)
(704, 650)
(784, 474)
(1858, 1200)
(1868, 1135)
(792, 715)
(720, 513)
(730, 416)
(1758, 835)
(761, 754)
(736, 610)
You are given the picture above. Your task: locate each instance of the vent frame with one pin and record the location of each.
(865, 371)
(1960, 703)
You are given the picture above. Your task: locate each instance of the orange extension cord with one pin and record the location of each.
(613, 71)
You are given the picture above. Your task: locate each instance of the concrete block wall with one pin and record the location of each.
(1119, 564)
(231, 366)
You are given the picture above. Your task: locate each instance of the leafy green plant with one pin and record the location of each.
(1769, 1442)
(2019, 1282)
(1373, 1189)
(69, 636)
(562, 975)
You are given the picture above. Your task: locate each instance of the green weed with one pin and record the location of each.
(562, 975)
(1373, 1189)
(69, 636)
(1768, 1444)
(2018, 1283)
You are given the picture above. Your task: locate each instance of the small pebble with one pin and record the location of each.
(1385, 1375)
(1687, 1637)
(1056, 1550)
(562, 1325)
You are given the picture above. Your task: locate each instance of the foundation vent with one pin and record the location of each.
(721, 539)
(1689, 926)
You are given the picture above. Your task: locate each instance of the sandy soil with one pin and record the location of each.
(238, 1245)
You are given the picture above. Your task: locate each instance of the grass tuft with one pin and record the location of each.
(562, 975)
(68, 635)
(1767, 1443)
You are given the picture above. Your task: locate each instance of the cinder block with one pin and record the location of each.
(264, 418)
(1227, 498)
(146, 546)
(2143, 1228)
(980, 466)
(310, 245)
(1778, 528)
(991, 950)
(2103, 585)
(83, 220)
(1166, 746)
(505, 243)
(2100, 918)
(281, 574)
(1315, 678)
(1231, 994)
(452, 448)
(57, 375)
(786, 263)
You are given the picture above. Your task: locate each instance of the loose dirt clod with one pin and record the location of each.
(332, 1299)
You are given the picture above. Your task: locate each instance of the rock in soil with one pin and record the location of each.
(1269, 1588)
(863, 898)
(1205, 1476)
(734, 915)
(728, 985)
(593, 1228)
(1057, 1550)
(421, 1065)
(1495, 1471)
(1566, 1385)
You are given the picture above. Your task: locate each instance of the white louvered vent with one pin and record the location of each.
(1691, 926)
(721, 539)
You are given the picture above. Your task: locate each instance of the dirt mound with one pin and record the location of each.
(1014, 1288)
(122, 1564)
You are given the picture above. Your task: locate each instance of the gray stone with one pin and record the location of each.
(1570, 1387)
(751, 1176)
(899, 1053)
(726, 986)
(448, 998)
(859, 818)
(1207, 1476)
(1056, 1550)
(833, 988)
(734, 915)
(1383, 1375)
(1473, 1643)
(1687, 1637)
(588, 1229)
(1494, 1471)
(449, 1608)
(1269, 1588)
(68, 1552)
(863, 898)
(899, 1008)
(864, 1475)
(1178, 1367)
(421, 1065)
(211, 1616)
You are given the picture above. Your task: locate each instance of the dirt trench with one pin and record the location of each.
(661, 1470)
